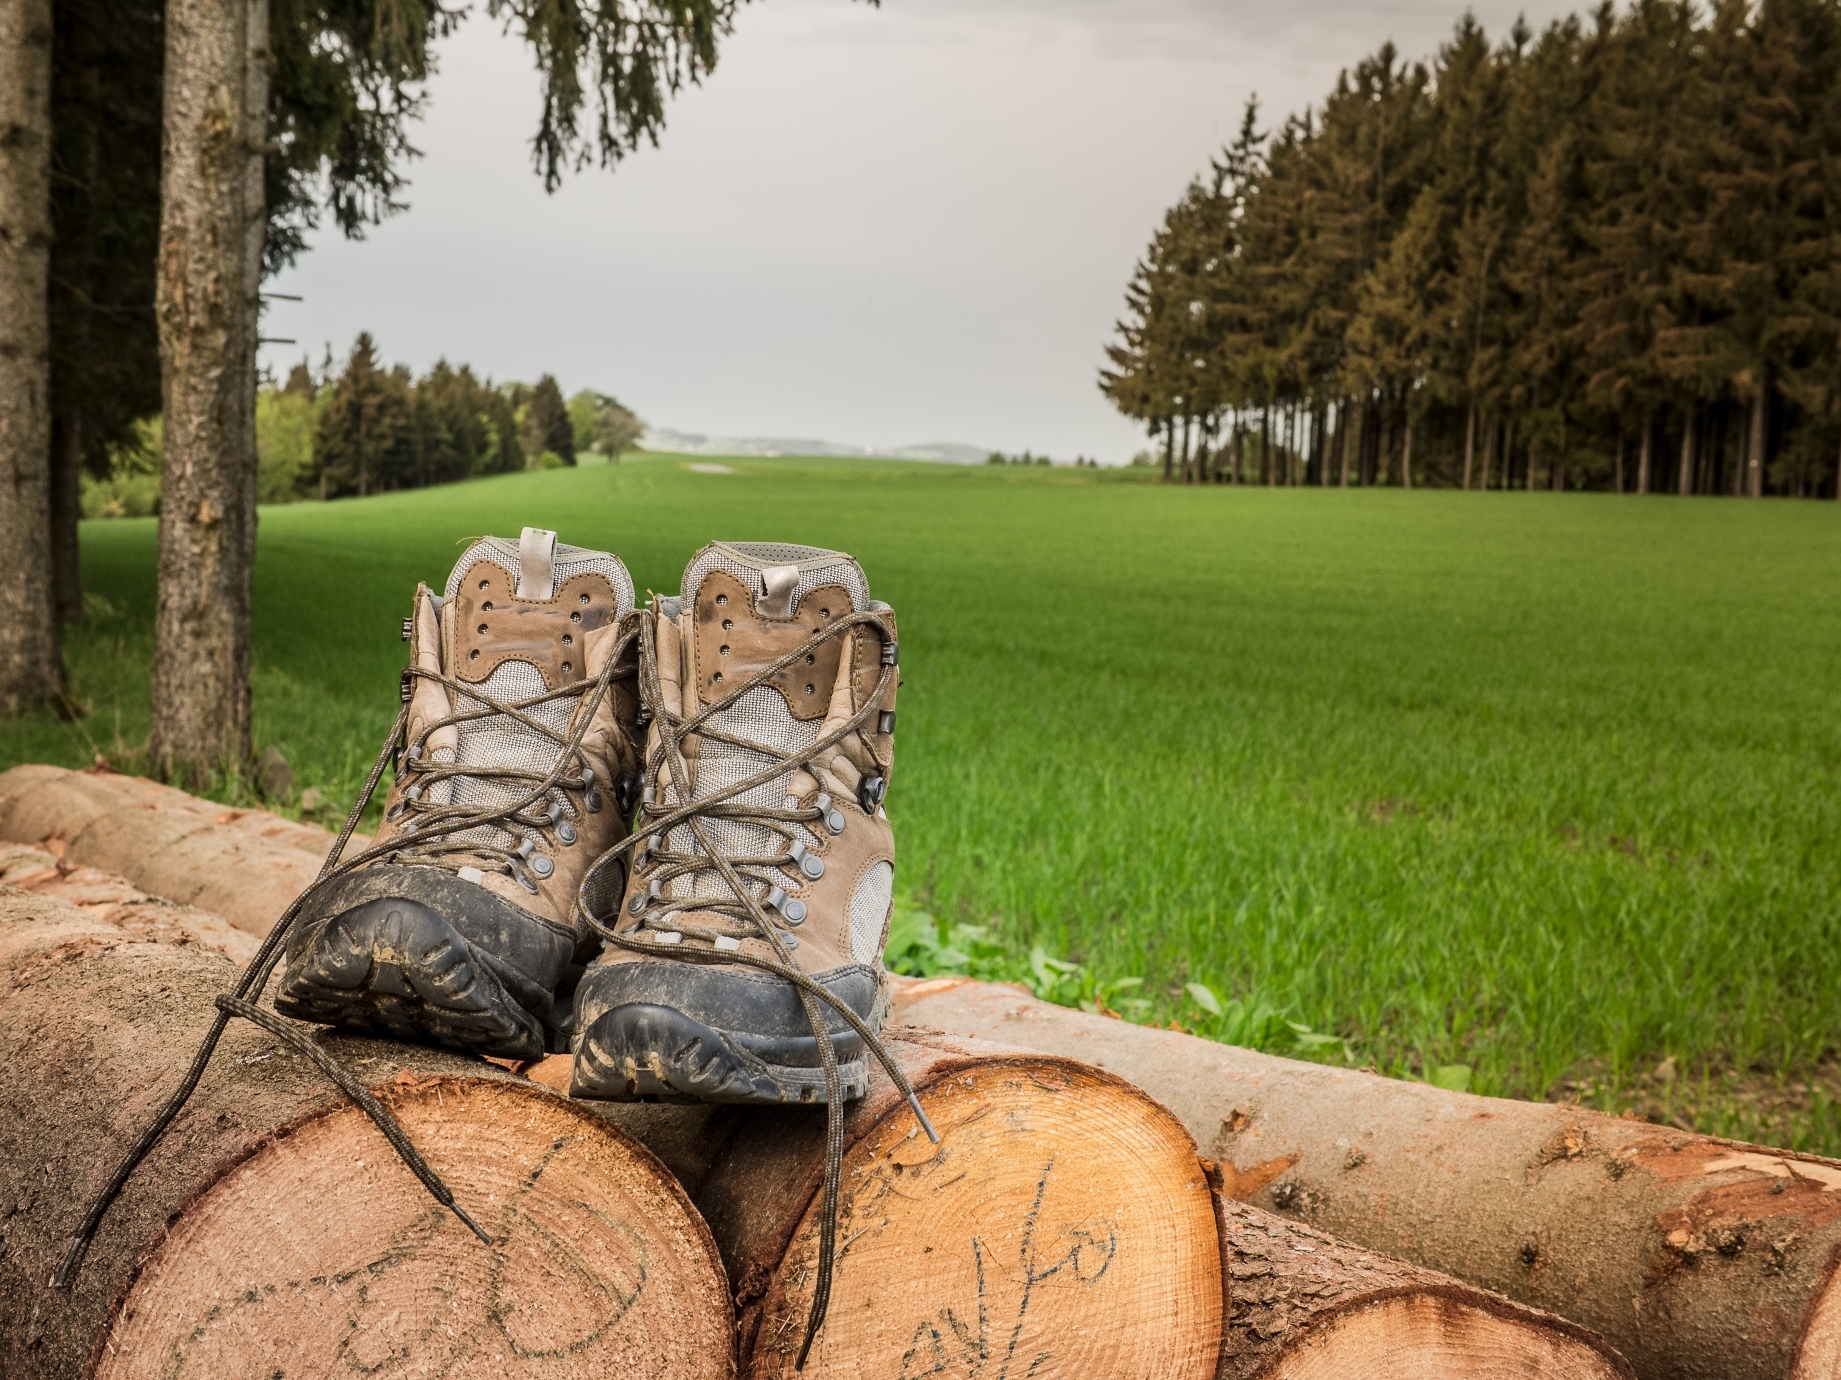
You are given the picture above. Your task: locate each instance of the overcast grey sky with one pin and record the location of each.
(874, 226)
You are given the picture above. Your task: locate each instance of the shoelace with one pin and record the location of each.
(746, 911)
(436, 834)
(241, 1002)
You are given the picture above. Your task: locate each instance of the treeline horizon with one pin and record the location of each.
(368, 428)
(1607, 256)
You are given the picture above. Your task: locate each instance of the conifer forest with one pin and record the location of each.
(1605, 256)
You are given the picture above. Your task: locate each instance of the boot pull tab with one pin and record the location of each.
(777, 585)
(537, 565)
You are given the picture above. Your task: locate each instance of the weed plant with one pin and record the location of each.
(1533, 791)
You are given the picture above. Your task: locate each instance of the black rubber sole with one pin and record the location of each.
(394, 967)
(645, 1053)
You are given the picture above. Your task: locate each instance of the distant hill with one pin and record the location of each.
(691, 443)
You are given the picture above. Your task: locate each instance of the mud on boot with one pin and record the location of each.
(519, 764)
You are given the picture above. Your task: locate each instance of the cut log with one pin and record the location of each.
(244, 865)
(1063, 1227)
(1306, 1306)
(107, 897)
(1694, 1257)
(274, 1232)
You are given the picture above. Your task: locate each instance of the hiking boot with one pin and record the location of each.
(513, 779)
(782, 669)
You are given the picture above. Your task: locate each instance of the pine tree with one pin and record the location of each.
(549, 420)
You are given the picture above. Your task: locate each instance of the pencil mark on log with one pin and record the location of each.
(1086, 1253)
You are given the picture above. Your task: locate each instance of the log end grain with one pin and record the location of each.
(1421, 1336)
(1063, 1227)
(320, 1255)
(1306, 1306)
(1818, 1353)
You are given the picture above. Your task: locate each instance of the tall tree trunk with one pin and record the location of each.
(1642, 455)
(1169, 450)
(1754, 449)
(1265, 444)
(1188, 473)
(1492, 431)
(211, 233)
(31, 668)
(1237, 464)
(1342, 442)
(1684, 477)
(66, 508)
(1470, 441)
(1617, 479)
(1406, 449)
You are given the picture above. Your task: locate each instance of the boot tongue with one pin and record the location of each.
(518, 614)
(537, 564)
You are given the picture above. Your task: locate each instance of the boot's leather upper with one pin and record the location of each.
(517, 623)
(807, 839)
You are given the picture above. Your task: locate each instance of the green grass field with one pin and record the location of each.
(1545, 785)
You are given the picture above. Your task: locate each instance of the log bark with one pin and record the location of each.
(274, 1232)
(216, 98)
(1306, 1306)
(1063, 1227)
(245, 865)
(31, 668)
(1692, 1256)
(118, 902)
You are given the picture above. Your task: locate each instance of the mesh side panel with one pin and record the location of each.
(570, 562)
(501, 741)
(869, 908)
(762, 716)
(746, 560)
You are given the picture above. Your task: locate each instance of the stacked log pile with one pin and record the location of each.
(246, 866)
(1694, 1257)
(1065, 1226)
(105, 896)
(274, 1232)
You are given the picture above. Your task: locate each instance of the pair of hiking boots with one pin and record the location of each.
(650, 837)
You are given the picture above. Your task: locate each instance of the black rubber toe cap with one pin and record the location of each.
(754, 1010)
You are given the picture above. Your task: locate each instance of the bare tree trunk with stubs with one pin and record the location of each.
(66, 509)
(1406, 450)
(1642, 456)
(31, 668)
(1470, 441)
(211, 235)
(1754, 448)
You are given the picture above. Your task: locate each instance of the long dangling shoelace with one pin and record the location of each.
(437, 822)
(742, 908)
